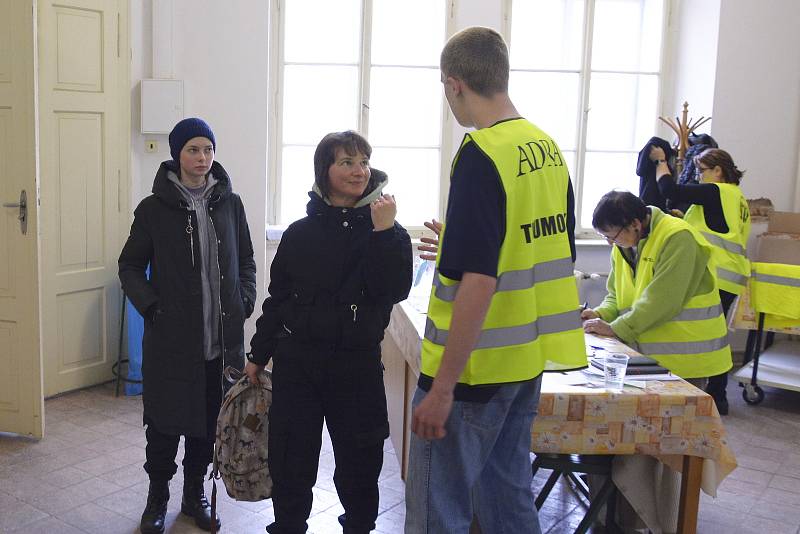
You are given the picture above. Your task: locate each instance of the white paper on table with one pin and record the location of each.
(594, 371)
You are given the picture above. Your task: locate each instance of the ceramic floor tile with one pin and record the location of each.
(25, 488)
(95, 519)
(785, 483)
(125, 503)
(65, 477)
(108, 444)
(757, 525)
(48, 525)
(732, 501)
(751, 476)
(127, 476)
(103, 464)
(786, 513)
(20, 517)
(759, 464)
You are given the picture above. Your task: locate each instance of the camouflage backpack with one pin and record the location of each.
(240, 451)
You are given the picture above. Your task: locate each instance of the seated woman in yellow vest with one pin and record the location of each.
(662, 296)
(720, 212)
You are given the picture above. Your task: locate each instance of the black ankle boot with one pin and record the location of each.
(195, 504)
(153, 517)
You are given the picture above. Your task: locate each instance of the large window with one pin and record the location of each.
(589, 73)
(367, 65)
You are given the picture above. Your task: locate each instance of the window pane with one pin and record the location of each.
(405, 106)
(321, 31)
(297, 178)
(627, 35)
(407, 33)
(414, 175)
(602, 173)
(546, 34)
(623, 111)
(550, 101)
(318, 100)
(569, 159)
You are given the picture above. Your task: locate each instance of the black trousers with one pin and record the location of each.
(717, 385)
(344, 389)
(198, 451)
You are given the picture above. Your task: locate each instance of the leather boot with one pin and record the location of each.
(153, 517)
(195, 504)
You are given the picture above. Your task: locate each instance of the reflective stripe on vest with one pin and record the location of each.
(773, 279)
(513, 280)
(717, 241)
(513, 335)
(692, 314)
(684, 347)
(730, 276)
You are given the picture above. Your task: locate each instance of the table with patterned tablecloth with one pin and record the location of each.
(670, 421)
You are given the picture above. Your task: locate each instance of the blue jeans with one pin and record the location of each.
(481, 467)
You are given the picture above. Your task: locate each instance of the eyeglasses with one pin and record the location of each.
(700, 170)
(612, 239)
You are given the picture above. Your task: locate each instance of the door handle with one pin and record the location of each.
(23, 210)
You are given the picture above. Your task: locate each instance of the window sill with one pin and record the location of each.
(588, 242)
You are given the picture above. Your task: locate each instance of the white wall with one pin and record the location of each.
(757, 95)
(221, 54)
(691, 62)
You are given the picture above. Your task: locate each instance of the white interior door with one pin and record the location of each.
(21, 403)
(83, 125)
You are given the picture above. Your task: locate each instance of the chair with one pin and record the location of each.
(567, 465)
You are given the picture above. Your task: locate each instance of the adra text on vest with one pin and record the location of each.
(545, 226)
(534, 155)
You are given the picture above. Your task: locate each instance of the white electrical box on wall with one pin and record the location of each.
(161, 105)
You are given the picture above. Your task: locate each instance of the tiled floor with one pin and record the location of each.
(86, 476)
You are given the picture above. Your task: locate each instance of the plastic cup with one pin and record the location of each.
(615, 367)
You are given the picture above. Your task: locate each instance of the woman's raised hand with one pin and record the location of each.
(383, 210)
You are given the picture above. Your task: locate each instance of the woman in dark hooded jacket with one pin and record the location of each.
(333, 282)
(193, 236)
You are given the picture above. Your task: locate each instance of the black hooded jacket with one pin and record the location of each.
(173, 362)
(646, 170)
(333, 281)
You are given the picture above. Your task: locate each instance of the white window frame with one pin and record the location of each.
(275, 103)
(585, 80)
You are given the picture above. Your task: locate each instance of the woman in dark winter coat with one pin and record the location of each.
(335, 277)
(193, 234)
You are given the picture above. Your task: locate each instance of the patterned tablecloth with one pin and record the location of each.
(650, 430)
(666, 419)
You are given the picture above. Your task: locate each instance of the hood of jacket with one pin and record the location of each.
(318, 204)
(165, 190)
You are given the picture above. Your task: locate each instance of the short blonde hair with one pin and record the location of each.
(479, 57)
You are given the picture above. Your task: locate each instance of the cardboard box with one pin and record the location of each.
(781, 242)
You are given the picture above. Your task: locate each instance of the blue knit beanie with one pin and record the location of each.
(189, 129)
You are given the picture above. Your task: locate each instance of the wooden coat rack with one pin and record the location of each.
(683, 127)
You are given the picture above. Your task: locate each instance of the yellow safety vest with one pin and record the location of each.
(692, 344)
(728, 254)
(533, 321)
(775, 289)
